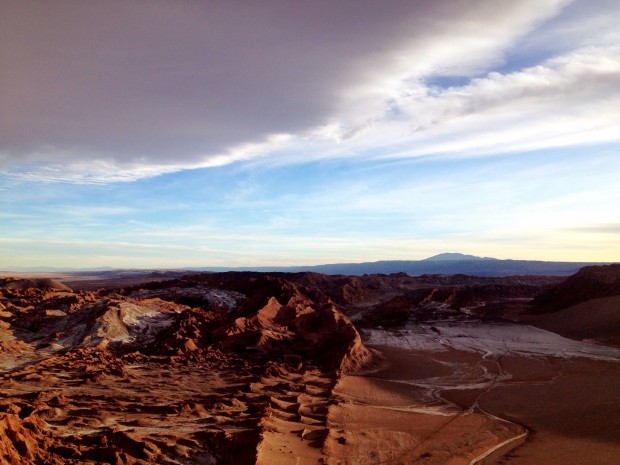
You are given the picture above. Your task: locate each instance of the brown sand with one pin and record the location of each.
(296, 427)
(570, 407)
(376, 421)
(574, 414)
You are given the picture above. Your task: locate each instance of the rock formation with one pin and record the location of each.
(206, 369)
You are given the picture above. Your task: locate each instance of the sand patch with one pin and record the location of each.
(375, 421)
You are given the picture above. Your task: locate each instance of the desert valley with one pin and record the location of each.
(305, 368)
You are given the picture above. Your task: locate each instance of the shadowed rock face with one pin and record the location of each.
(584, 306)
(392, 300)
(190, 371)
(589, 283)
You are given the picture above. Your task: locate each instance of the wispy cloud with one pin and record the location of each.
(569, 100)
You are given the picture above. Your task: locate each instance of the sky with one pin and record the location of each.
(158, 134)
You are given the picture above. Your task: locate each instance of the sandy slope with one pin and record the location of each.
(594, 319)
(570, 405)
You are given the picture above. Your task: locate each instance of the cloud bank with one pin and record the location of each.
(117, 91)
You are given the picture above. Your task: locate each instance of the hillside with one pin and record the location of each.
(584, 306)
(177, 372)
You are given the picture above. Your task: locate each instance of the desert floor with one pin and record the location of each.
(483, 393)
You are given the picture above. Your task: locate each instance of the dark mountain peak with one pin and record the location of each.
(454, 256)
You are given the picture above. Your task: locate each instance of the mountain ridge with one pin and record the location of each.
(449, 263)
(474, 267)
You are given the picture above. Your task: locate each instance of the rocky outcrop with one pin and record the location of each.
(23, 440)
(316, 333)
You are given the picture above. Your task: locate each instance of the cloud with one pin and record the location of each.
(98, 93)
(602, 228)
(568, 100)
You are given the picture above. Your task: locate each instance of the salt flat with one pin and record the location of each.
(494, 338)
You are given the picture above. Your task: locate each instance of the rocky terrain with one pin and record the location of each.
(271, 368)
(186, 372)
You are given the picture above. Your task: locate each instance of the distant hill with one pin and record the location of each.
(477, 267)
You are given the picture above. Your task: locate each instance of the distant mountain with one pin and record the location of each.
(476, 267)
(446, 264)
(454, 256)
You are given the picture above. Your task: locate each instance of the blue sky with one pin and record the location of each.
(210, 134)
